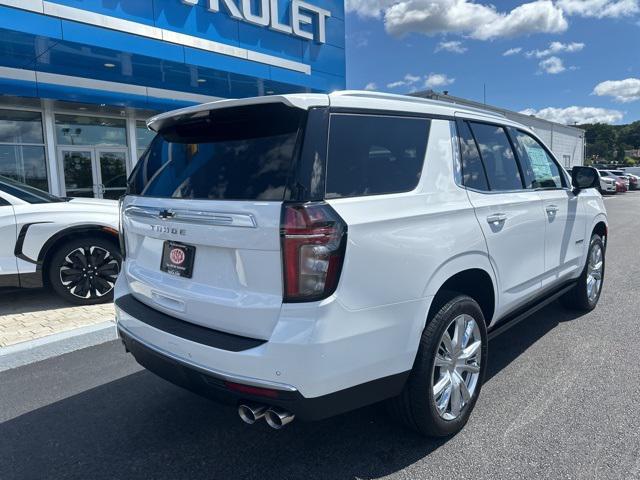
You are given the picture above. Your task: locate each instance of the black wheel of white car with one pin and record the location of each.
(448, 371)
(84, 270)
(586, 293)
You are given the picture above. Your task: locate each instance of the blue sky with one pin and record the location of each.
(572, 60)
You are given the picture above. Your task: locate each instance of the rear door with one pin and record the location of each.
(565, 223)
(511, 217)
(202, 226)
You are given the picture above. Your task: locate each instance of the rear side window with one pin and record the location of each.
(473, 174)
(244, 153)
(374, 155)
(498, 157)
(540, 171)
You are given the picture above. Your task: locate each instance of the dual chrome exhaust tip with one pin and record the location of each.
(276, 418)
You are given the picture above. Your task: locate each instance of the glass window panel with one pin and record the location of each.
(113, 169)
(26, 164)
(77, 172)
(85, 130)
(375, 155)
(20, 127)
(26, 192)
(473, 175)
(540, 170)
(497, 156)
(143, 136)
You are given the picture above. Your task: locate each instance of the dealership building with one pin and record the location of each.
(78, 78)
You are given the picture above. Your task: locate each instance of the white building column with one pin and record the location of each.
(133, 140)
(55, 183)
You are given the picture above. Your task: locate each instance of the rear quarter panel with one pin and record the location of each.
(403, 247)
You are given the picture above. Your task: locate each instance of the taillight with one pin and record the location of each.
(314, 239)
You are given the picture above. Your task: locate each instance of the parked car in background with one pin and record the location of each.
(305, 255)
(67, 244)
(622, 184)
(608, 185)
(633, 179)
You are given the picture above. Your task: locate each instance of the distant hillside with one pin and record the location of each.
(608, 142)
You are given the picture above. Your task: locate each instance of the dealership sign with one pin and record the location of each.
(302, 14)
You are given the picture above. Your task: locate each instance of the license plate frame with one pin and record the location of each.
(177, 259)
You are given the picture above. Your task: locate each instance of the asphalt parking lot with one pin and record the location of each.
(560, 401)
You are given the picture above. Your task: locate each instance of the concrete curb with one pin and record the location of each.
(57, 344)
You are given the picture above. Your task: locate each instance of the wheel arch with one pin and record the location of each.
(66, 235)
(601, 228)
(476, 282)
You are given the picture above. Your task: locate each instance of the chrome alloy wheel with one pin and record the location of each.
(456, 368)
(89, 272)
(594, 272)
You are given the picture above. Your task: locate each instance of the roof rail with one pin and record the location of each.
(410, 99)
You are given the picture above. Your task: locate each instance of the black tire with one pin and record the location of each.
(84, 284)
(415, 407)
(578, 297)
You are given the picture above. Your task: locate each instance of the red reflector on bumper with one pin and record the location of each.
(249, 390)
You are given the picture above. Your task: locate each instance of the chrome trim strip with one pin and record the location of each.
(102, 85)
(225, 219)
(65, 12)
(229, 377)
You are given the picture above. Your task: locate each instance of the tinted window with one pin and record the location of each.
(374, 155)
(87, 130)
(25, 192)
(497, 156)
(233, 154)
(539, 169)
(473, 174)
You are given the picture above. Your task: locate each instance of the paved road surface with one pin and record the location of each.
(561, 401)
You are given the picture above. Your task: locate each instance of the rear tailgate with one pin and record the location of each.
(209, 191)
(236, 279)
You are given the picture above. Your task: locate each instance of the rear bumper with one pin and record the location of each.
(215, 385)
(321, 359)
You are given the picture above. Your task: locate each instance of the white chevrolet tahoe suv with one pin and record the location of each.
(305, 255)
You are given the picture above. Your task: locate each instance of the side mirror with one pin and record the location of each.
(584, 177)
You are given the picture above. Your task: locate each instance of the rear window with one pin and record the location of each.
(244, 153)
(374, 155)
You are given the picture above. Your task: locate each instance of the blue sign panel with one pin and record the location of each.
(194, 48)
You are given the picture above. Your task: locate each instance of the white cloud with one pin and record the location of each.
(479, 21)
(512, 51)
(434, 80)
(430, 81)
(453, 46)
(627, 90)
(600, 8)
(571, 115)
(371, 86)
(368, 8)
(408, 79)
(556, 47)
(552, 65)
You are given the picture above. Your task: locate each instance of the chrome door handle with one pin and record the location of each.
(496, 218)
(552, 208)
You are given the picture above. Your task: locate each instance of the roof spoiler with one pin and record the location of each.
(303, 101)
